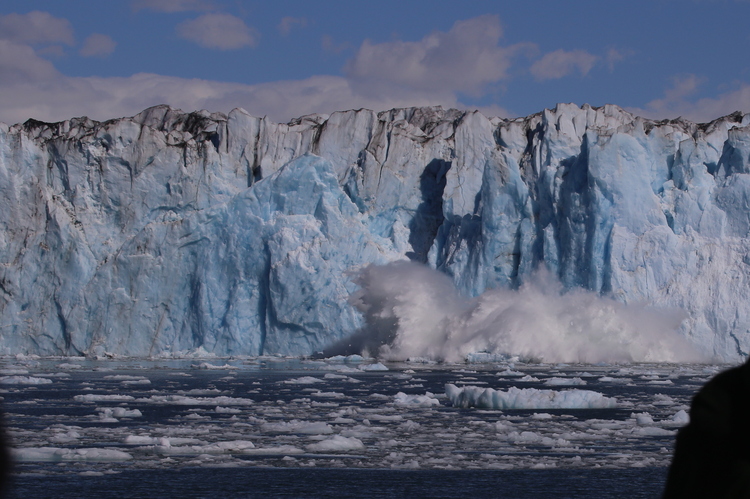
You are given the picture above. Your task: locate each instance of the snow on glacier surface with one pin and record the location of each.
(188, 234)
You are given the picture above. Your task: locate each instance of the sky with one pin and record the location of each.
(288, 58)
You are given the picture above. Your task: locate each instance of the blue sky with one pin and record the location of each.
(287, 58)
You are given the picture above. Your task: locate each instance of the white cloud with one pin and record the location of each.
(31, 87)
(36, 27)
(287, 23)
(465, 59)
(171, 6)
(683, 86)
(677, 102)
(61, 98)
(218, 31)
(561, 63)
(614, 56)
(97, 45)
(431, 71)
(52, 51)
(329, 45)
(462, 60)
(19, 64)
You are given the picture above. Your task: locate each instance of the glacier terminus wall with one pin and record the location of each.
(172, 232)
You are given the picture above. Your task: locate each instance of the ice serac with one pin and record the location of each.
(169, 232)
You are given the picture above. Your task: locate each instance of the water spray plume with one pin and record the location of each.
(413, 311)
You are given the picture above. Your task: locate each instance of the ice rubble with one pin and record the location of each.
(526, 398)
(286, 426)
(56, 454)
(170, 232)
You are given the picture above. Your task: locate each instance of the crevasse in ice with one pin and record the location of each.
(170, 232)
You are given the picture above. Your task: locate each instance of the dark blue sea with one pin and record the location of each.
(349, 483)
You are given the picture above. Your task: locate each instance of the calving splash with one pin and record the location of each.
(414, 311)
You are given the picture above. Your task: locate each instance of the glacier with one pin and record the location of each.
(172, 232)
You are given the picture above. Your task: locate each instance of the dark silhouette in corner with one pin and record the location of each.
(6, 461)
(712, 453)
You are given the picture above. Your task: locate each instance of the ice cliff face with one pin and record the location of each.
(167, 232)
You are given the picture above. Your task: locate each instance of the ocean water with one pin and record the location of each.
(274, 427)
(349, 483)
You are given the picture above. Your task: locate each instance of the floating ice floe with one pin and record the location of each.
(95, 397)
(427, 400)
(527, 398)
(24, 380)
(337, 443)
(541, 415)
(642, 419)
(565, 382)
(304, 380)
(208, 365)
(119, 412)
(530, 437)
(182, 400)
(162, 441)
(165, 446)
(301, 427)
(373, 367)
(618, 381)
(352, 359)
(681, 417)
(56, 454)
(226, 410)
(329, 395)
(68, 365)
(341, 377)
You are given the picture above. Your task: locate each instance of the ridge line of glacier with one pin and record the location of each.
(169, 232)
